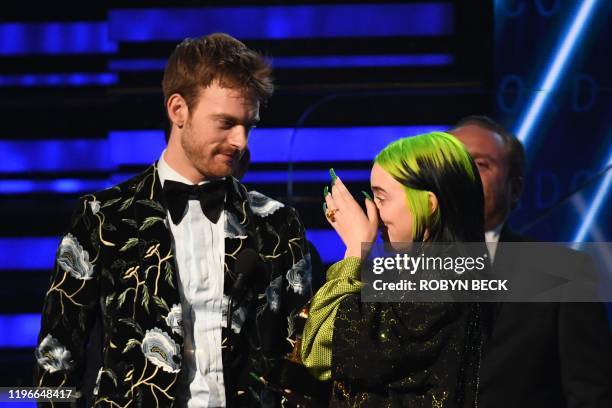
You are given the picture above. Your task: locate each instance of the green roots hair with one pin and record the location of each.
(437, 162)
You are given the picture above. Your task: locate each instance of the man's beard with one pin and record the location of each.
(204, 160)
(194, 153)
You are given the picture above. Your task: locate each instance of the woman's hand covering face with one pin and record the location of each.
(350, 222)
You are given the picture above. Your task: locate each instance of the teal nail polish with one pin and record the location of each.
(367, 195)
(325, 191)
(333, 175)
(324, 208)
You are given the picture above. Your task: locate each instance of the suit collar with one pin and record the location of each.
(154, 237)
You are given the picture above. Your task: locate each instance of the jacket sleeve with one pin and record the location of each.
(585, 349)
(71, 300)
(297, 279)
(316, 351)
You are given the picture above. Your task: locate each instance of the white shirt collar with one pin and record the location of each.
(493, 235)
(492, 239)
(166, 172)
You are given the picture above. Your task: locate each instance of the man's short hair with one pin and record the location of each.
(196, 62)
(515, 152)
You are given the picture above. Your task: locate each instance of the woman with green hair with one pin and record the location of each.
(407, 354)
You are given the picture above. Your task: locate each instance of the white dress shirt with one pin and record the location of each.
(199, 247)
(492, 238)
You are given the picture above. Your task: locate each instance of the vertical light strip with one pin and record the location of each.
(596, 205)
(555, 70)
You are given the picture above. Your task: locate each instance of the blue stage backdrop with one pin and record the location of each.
(83, 109)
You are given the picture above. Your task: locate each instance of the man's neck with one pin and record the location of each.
(178, 161)
(167, 172)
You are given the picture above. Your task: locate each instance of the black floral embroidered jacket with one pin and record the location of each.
(116, 263)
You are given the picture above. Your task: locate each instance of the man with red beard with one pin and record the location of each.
(163, 258)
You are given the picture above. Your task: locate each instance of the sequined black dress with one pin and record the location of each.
(406, 354)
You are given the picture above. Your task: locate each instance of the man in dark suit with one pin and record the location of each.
(162, 258)
(538, 354)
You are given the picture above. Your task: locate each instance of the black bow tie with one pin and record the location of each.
(211, 196)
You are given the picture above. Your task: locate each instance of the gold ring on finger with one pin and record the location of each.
(330, 214)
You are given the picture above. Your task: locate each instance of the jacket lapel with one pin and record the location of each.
(155, 245)
(157, 263)
(157, 258)
(504, 256)
(149, 286)
(240, 230)
(505, 260)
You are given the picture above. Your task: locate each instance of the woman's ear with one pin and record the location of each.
(433, 202)
(177, 109)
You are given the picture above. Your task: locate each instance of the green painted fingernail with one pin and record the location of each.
(324, 208)
(325, 191)
(366, 195)
(332, 174)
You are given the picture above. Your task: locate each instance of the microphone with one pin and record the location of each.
(248, 264)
